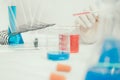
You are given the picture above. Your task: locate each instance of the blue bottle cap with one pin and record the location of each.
(58, 56)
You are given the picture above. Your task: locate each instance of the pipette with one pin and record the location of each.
(85, 12)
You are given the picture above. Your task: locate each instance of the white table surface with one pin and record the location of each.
(28, 63)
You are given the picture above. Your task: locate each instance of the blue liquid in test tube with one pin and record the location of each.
(13, 39)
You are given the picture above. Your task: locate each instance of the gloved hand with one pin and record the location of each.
(88, 25)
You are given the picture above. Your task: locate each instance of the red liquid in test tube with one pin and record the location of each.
(74, 43)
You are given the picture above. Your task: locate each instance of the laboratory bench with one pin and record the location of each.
(28, 63)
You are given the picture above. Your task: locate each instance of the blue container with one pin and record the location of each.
(108, 67)
(58, 56)
(110, 52)
(13, 39)
(103, 73)
(12, 17)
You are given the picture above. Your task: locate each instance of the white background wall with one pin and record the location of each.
(3, 15)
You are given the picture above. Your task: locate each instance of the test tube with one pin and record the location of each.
(74, 43)
(12, 17)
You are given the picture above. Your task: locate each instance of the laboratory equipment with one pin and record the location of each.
(57, 47)
(63, 67)
(103, 73)
(13, 36)
(25, 19)
(110, 51)
(36, 42)
(20, 20)
(58, 56)
(69, 42)
(8, 37)
(85, 13)
(64, 42)
(108, 66)
(13, 39)
(74, 43)
(60, 45)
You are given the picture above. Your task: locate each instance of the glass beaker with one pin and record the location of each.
(57, 47)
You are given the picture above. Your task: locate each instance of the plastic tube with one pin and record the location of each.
(55, 76)
(63, 68)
